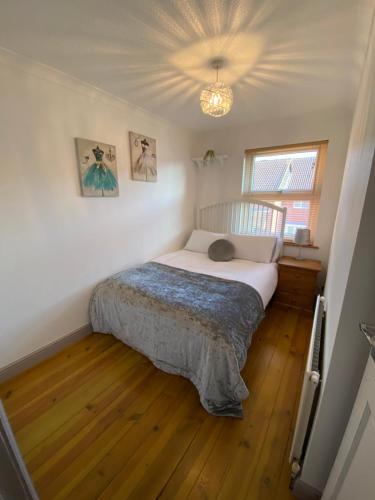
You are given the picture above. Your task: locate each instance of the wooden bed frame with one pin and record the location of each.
(244, 215)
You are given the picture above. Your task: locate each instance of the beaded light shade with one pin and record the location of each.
(217, 98)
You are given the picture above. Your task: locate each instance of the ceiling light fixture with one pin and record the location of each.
(217, 98)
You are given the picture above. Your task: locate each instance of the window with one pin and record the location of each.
(302, 205)
(289, 176)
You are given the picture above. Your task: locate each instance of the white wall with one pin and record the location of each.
(332, 124)
(350, 288)
(55, 244)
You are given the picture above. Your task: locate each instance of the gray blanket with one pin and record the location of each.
(186, 323)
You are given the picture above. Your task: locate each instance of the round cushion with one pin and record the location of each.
(221, 251)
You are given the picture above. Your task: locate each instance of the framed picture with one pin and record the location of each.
(143, 157)
(97, 168)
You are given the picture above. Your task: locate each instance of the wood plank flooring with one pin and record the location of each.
(99, 421)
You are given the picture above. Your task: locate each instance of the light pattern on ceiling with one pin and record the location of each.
(284, 56)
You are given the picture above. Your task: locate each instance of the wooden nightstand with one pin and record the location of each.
(297, 283)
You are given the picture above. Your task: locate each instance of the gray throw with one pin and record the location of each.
(186, 323)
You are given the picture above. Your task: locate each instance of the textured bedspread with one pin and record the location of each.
(190, 324)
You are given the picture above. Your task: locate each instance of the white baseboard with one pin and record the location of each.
(43, 353)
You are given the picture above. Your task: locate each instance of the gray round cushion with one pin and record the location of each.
(221, 251)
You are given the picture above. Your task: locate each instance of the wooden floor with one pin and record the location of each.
(99, 421)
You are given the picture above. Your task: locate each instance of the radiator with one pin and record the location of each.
(310, 385)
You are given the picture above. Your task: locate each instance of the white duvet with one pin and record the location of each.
(262, 277)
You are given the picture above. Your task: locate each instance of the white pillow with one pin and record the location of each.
(255, 248)
(200, 240)
(278, 249)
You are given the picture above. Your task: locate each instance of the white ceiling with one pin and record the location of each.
(283, 56)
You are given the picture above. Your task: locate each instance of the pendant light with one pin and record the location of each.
(217, 98)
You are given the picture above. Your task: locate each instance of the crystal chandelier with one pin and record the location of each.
(217, 98)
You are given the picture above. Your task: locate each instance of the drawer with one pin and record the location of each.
(297, 274)
(301, 301)
(290, 284)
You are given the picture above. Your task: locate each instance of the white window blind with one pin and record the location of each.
(289, 176)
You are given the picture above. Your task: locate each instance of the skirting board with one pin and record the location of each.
(304, 491)
(43, 353)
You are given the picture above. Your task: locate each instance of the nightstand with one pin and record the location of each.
(297, 283)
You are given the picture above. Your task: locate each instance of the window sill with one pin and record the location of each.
(292, 244)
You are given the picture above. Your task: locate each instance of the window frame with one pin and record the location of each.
(312, 196)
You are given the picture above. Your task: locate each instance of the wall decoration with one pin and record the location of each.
(97, 168)
(143, 157)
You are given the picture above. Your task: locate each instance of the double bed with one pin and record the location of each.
(194, 316)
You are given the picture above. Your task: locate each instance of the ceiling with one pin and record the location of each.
(283, 57)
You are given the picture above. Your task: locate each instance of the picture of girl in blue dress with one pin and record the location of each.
(100, 178)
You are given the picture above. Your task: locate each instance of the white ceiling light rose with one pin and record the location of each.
(217, 98)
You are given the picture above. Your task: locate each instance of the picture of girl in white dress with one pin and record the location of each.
(143, 158)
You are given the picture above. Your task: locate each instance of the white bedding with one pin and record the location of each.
(263, 277)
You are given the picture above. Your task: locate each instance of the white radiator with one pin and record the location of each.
(310, 384)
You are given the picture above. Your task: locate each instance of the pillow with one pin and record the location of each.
(221, 251)
(255, 248)
(200, 240)
(277, 250)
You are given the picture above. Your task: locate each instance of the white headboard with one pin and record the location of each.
(243, 216)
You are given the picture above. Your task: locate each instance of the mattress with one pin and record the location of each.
(262, 277)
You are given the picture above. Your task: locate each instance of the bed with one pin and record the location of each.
(193, 316)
